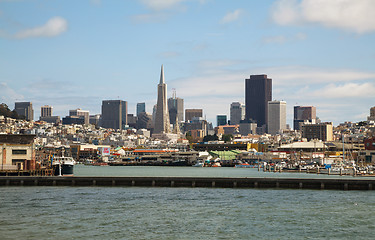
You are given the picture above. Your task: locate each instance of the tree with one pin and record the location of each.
(210, 138)
(227, 137)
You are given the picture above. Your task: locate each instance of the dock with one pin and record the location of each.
(190, 182)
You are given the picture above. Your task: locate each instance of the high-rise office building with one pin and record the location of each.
(303, 114)
(276, 117)
(221, 120)
(46, 111)
(258, 92)
(141, 107)
(193, 113)
(114, 114)
(176, 109)
(25, 109)
(162, 114)
(80, 112)
(237, 113)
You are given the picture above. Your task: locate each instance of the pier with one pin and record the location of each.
(208, 182)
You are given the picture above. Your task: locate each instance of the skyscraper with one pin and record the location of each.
(176, 109)
(258, 92)
(221, 120)
(162, 114)
(25, 109)
(303, 114)
(141, 107)
(237, 113)
(46, 111)
(276, 116)
(114, 114)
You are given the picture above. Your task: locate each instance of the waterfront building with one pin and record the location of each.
(193, 113)
(80, 112)
(276, 117)
(114, 114)
(25, 109)
(17, 152)
(237, 112)
(141, 107)
(258, 92)
(46, 111)
(162, 114)
(320, 131)
(221, 120)
(176, 109)
(302, 115)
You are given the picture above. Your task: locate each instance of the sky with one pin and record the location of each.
(74, 54)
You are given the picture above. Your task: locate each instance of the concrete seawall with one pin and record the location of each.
(293, 183)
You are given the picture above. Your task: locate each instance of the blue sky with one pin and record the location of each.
(74, 54)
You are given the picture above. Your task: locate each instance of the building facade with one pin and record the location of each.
(302, 115)
(114, 114)
(141, 107)
(258, 92)
(276, 117)
(237, 112)
(176, 109)
(25, 109)
(221, 120)
(320, 131)
(79, 112)
(46, 111)
(193, 113)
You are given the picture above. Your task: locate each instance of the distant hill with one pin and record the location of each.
(6, 112)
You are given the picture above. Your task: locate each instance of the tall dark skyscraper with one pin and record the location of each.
(176, 109)
(114, 114)
(141, 107)
(258, 91)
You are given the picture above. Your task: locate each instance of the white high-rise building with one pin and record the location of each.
(237, 113)
(276, 117)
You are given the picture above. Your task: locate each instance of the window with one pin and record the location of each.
(19, 151)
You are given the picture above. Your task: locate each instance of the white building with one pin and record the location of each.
(237, 112)
(276, 117)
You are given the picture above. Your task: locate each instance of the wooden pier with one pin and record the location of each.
(275, 183)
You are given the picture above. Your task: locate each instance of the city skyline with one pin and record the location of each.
(113, 50)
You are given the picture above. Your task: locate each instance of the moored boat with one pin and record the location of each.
(63, 166)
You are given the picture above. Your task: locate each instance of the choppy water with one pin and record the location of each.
(184, 213)
(156, 171)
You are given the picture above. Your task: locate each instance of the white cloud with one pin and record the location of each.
(232, 16)
(53, 27)
(355, 16)
(8, 95)
(348, 90)
(170, 54)
(158, 5)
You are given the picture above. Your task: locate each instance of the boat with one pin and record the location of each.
(63, 166)
(199, 164)
(243, 165)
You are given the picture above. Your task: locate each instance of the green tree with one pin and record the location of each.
(227, 137)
